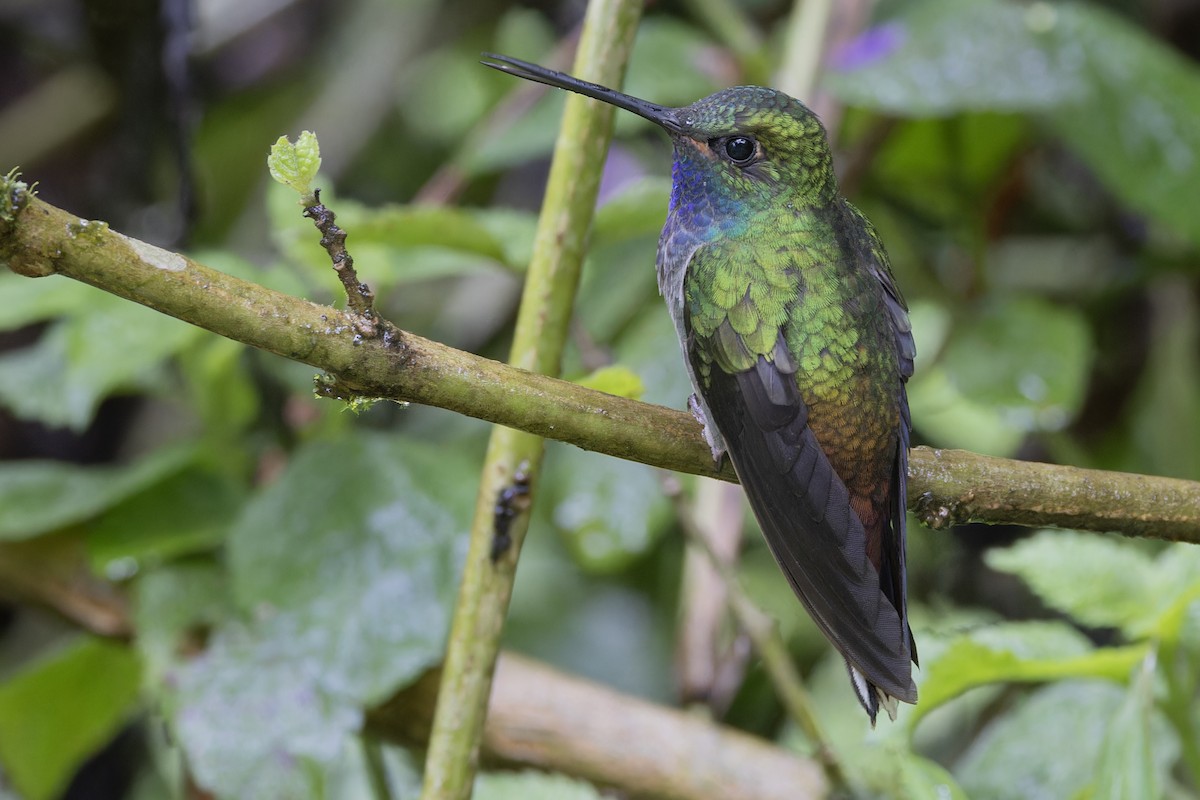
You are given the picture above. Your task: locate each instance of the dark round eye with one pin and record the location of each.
(740, 149)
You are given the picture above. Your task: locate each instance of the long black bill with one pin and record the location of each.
(662, 115)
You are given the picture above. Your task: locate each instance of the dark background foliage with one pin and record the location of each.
(1031, 167)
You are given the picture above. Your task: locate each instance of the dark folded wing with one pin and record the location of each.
(805, 514)
(870, 254)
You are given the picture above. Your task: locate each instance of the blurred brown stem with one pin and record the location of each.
(768, 642)
(544, 718)
(539, 717)
(53, 572)
(703, 595)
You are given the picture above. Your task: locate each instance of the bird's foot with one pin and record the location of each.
(715, 444)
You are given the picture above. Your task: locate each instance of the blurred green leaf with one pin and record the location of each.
(1030, 640)
(529, 136)
(170, 599)
(523, 30)
(430, 83)
(947, 418)
(1048, 747)
(1178, 620)
(531, 786)
(1024, 357)
(1019, 365)
(1138, 126)
(618, 286)
(1127, 103)
(1020, 652)
(27, 301)
(414, 225)
(107, 346)
(921, 777)
(616, 380)
(187, 511)
(351, 532)
(348, 563)
(222, 390)
(35, 385)
(672, 65)
(613, 631)
(619, 281)
(37, 497)
(255, 714)
(1132, 763)
(513, 230)
(637, 211)
(944, 56)
(609, 510)
(1107, 582)
(399, 244)
(1100, 581)
(948, 167)
(392, 266)
(60, 709)
(1165, 412)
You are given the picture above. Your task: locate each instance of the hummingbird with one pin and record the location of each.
(798, 345)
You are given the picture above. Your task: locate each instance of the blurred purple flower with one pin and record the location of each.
(873, 44)
(620, 170)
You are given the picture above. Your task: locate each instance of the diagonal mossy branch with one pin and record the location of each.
(945, 486)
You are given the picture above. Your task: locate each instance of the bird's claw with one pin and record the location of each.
(718, 450)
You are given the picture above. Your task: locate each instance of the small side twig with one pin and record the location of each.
(295, 165)
(333, 239)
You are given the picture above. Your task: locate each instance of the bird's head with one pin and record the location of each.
(745, 148)
(751, 145)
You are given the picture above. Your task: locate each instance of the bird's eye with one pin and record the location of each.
(740, 149)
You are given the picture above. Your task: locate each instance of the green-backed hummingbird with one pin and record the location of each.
(798, 344)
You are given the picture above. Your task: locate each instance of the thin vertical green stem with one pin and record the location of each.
(513, 457)
(376, 767)
(768, 643)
